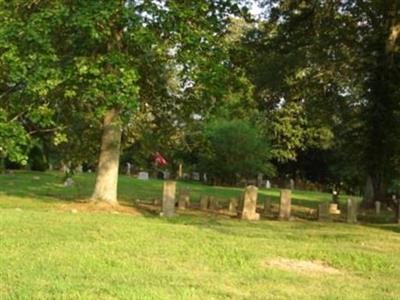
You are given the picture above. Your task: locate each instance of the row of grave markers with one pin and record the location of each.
(245, 208)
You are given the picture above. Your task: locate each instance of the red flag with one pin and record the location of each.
(159, 160)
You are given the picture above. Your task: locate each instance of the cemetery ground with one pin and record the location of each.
(53, 247)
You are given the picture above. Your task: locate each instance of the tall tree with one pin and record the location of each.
(97, 57)
(337, 64)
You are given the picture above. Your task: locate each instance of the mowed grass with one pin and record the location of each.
(48, 253)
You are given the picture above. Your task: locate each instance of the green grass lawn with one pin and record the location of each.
(50, 253)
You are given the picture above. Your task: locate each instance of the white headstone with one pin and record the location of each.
(128, 169)
(268, 184)
(196, 176)
(65, 168)
(291, 184)
(143, 176)
(166, 175)
(377, 207)
(68, 182)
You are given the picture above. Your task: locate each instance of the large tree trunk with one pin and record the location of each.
(105, 189)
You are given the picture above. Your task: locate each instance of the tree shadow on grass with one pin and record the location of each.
(388, 227)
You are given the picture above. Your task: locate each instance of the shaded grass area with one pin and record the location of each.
(48, 186)
(50, 254)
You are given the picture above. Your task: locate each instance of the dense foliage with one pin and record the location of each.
(234, 150)
(317, 81)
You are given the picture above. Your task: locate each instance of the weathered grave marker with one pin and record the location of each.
(213, 203)
(184, 199)
(233, 205)
(285, 205)
(333, 209)
(204, 203)
(250, 204)
(168, 201)
(128, 169)
(267, 184)
(166, 175)
(260, 180)
(291, 184)
(323, 212)
(267, 206)
(196, 176)
(69, 182)
(352, 207)
(377, 207)
(205, 177)
(143, 176)
(180, 171)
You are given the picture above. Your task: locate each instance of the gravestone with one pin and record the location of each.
(204, 203)
(267, 206)
(213, 203)
(166, 175)
(291, 184)
(205, 177)
(250, 204)
(65, 168)
(184, 199)
(233, 205)
(377, 207)
(143, 176)
(180, 171)
(69, 182)
(323, 212)
(352, 207)
(128, 169)
(285, 205)
(267, 184)
(168, 201)
(333, 209)
(79, 169)
(259, 180)
(196, 176)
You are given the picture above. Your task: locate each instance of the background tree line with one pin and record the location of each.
(309, 89)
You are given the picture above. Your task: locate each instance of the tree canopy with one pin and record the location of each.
(312, 87)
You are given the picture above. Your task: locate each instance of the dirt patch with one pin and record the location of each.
(88, 207)
(302, 266)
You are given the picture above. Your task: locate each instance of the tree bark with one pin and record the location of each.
(105, 189)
